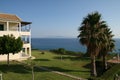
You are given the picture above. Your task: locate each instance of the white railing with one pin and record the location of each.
(15, 33)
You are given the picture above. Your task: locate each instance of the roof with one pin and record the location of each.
(9, 17)
(23, 23)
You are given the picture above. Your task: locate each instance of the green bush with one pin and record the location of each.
(110, 74)
(66, 52)
(42, 52)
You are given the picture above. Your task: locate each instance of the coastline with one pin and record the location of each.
(71, 44)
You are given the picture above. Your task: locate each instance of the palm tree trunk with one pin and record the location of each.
(93, 66)
(8, 59)
(104, 63)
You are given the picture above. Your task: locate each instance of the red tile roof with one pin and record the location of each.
(9, 17)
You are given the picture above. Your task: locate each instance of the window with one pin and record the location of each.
(1, 27)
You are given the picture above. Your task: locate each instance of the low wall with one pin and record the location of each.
(11, 57)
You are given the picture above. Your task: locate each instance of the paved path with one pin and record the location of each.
(61, 73)
(57, 72)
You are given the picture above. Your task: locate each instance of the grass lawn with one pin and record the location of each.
(69, 64)
(20, 72)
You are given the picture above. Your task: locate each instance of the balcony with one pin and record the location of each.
(15, 28)
(25, 45)
(15, 33)
(25, 31)
(26, 41)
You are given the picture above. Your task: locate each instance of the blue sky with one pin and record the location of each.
(61, 18)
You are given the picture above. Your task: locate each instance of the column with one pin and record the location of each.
(30, 51)
(29, 27)
(25, 39)
(19, 27)
(7, 26)
(25, 50)
(30, 40)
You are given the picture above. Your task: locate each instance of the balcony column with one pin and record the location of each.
(19, 27)
(30, 51)
(25, 39)
(25, 50)
(7, 25)
(30, 34)
(30, 40)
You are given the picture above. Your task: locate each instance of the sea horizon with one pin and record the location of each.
(71, 44)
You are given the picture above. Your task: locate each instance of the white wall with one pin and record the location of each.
(13, 26)
(15, 33)
(11, 57)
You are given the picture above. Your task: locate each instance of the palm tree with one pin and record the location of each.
(90, 30)
(107, 46)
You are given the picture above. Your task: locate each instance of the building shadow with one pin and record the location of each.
(16, 68)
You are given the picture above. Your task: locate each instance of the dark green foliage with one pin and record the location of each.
(78, 54)
(6, 44)
(61, 50)
(90, 31)
(42, 52)
(9, 44)
(17, 45)
(66, 52)
(110, 74)
(97, 37)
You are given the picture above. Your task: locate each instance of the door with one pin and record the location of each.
(1, 27)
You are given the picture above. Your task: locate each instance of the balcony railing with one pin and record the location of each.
(23, 30)
(25, 42)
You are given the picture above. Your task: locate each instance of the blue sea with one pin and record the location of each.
(71, 44)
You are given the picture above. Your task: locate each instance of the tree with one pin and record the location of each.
(107, 46)
(90, 31)
(17, 46)
(9, 44)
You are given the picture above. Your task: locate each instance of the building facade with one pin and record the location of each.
(12, 24)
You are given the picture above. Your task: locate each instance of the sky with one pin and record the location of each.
(62, 18)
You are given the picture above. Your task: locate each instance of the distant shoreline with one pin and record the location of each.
(58, 38)
(71, 44)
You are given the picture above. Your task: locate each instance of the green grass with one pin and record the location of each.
(70, 64)
(20, 72)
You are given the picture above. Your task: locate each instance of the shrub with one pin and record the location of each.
(42, 52)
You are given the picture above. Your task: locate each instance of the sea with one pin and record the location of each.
(71, 44)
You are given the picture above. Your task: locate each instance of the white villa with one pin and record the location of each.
(12, 24)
